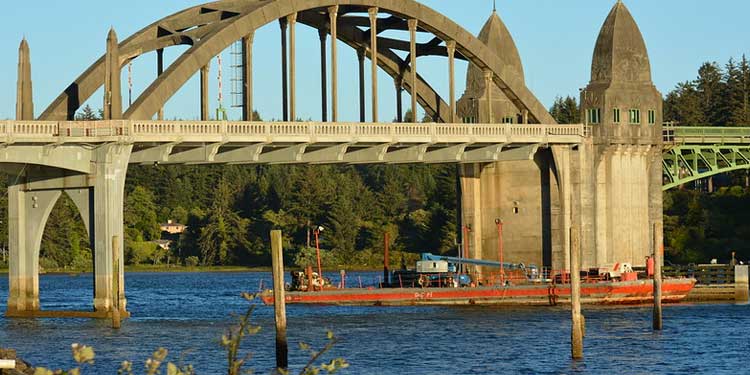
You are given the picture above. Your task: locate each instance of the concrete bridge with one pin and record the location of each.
(605, 176)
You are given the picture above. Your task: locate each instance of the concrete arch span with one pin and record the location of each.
(212, 27)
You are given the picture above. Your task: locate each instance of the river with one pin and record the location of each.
(188, 312)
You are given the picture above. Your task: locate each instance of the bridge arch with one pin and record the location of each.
(212, 27)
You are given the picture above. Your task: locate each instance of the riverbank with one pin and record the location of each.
(184, 269)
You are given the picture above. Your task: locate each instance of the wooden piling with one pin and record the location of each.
(115, 282)
(386, 261)
(576, 335)
(279, 303)
(658, 261)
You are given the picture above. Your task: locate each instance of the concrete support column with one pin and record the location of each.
(488, 93)
(292, 67)
(361, 60)
(110, 165)
(451, 45)
(333, 15)
(28, 212)
(24, 97)
(741, 280)
(204, 92)
(373, 12)
(563, 165)
(159, 72)
(413, 53)
(323, 76)
(247, 78)
(471, 207)
(399, 82)
(284, 70)
(112, 79)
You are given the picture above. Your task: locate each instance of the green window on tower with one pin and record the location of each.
(593, 116)
(635, 116)
(616, 115)
(651, 117)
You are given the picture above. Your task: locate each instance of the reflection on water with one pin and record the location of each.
(187, 313)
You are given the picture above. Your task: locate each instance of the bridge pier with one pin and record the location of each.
(28, 212)
(111, 164)
(99, 197)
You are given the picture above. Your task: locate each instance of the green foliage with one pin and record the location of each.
(566, 110)
(140, 214)
(140, 252)
(699, 227)
(192, 261)
(717, 97)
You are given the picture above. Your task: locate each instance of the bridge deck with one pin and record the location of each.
(195, 142)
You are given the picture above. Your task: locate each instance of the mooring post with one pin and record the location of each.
(576, 335)
(115, 282)
(658, 261)
(279, 303)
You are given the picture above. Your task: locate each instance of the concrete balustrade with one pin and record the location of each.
(156, 131)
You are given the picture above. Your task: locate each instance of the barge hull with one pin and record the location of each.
(613, 293)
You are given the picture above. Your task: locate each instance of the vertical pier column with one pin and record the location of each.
(399, 82)
(112, 79)
(110, 166)
(159, 72)
(561, 155)
(413, 54)
(361, 60)
(741, 291)
(488, 93)
(28, 212)
(451, 45)
(247, 78)
(204, 92)
(292, 67)
(323, 74)
(283, 22)
(373, 12)
(24, 96)
(333, 15)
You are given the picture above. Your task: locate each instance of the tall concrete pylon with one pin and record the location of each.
(515, 190)
(620, 196)
(112, 79)
(24, 97)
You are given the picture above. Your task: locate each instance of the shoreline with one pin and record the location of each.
(182, 269)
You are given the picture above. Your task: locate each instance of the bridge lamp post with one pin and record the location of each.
(317, 231)
(499, 223)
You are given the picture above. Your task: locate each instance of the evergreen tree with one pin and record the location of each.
(712, 94)
(566, 110)
(223, 232)
(683, 106)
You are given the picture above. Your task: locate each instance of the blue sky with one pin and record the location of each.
(555, 40)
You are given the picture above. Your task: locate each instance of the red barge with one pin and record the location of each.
(519, 286)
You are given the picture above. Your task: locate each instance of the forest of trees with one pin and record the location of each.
(229, 210)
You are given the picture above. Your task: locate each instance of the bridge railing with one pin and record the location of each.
(118, 128)
(707, 134)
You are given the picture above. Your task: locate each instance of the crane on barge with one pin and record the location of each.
(448, 271)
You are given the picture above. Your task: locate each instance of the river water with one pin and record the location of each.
(188, 312)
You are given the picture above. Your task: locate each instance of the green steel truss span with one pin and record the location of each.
(693, 153)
